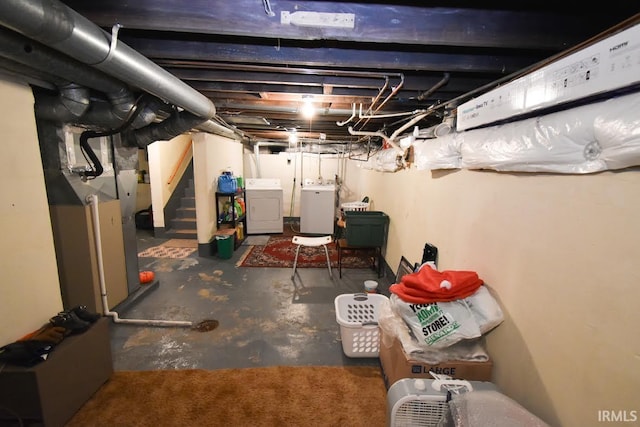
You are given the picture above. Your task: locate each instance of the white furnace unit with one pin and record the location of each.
(264, 199)
(317, 209)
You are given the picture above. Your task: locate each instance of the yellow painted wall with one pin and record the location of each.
(30, 290)
(287, 166)
(165, 159)
(560, 252)
(212, 154)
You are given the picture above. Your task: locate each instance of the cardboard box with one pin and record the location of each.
(52, 391)
(396, 365)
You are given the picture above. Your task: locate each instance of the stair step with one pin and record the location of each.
(186, 212)
(182, 234)
(190, 192)
(184, 223)
(188, 202)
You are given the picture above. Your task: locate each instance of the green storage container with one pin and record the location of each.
(366, 228)
(225, 246)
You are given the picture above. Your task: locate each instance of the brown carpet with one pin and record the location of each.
(273, 396)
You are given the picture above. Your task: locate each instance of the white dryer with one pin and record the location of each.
(264, 200)
(317, 209)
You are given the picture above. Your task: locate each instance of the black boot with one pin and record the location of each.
(84, 314)
(70, 322)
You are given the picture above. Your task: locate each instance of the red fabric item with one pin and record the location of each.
(428, 285)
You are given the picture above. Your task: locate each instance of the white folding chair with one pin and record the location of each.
(313, 242)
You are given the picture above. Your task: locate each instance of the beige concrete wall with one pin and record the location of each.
(282, 166)
(558, 250)
(165, 159)
(212, 154)
(286, 166)
(561, 254)
(30, 290)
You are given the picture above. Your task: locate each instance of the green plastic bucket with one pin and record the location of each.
(225, 246)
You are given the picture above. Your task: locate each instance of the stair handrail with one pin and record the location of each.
(175, 169)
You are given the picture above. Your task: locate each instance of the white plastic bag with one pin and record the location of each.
(437, 325)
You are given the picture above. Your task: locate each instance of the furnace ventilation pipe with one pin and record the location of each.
(54, 24)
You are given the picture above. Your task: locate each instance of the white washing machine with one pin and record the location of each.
(317, 209)
(264, 200)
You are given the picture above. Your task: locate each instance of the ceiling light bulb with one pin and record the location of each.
(308, 110)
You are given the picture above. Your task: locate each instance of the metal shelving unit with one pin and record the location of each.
(241, 219)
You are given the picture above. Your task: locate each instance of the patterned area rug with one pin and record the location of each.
(166, 252)
(280, 252)
(181, 243)
(174, 248)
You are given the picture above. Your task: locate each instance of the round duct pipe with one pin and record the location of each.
(59, 27)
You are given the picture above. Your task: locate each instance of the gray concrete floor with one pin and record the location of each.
(265, 318)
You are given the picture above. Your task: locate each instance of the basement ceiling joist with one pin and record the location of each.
(257, 67)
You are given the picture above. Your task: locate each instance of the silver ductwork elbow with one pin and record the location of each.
(75, 99)
(177, 124)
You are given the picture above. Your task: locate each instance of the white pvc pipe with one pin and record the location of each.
(353, 115)
(93, 201)
(407, 125)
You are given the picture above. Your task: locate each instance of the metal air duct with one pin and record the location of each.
(56, 25)
(65, 73)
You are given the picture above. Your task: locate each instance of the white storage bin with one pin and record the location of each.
(357, 315)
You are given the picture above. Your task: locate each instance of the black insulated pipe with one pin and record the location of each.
(96, 167)
(424, 95)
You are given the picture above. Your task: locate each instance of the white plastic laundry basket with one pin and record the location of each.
(355, 206)
(357, 315)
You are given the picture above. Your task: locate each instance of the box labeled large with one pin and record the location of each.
(396, 365)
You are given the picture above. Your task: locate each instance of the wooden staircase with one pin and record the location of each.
(183, 226)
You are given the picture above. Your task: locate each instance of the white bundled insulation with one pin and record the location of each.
(387, 160)
(586, 139)
(617, 130)
(438, 153)
(561, 143)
